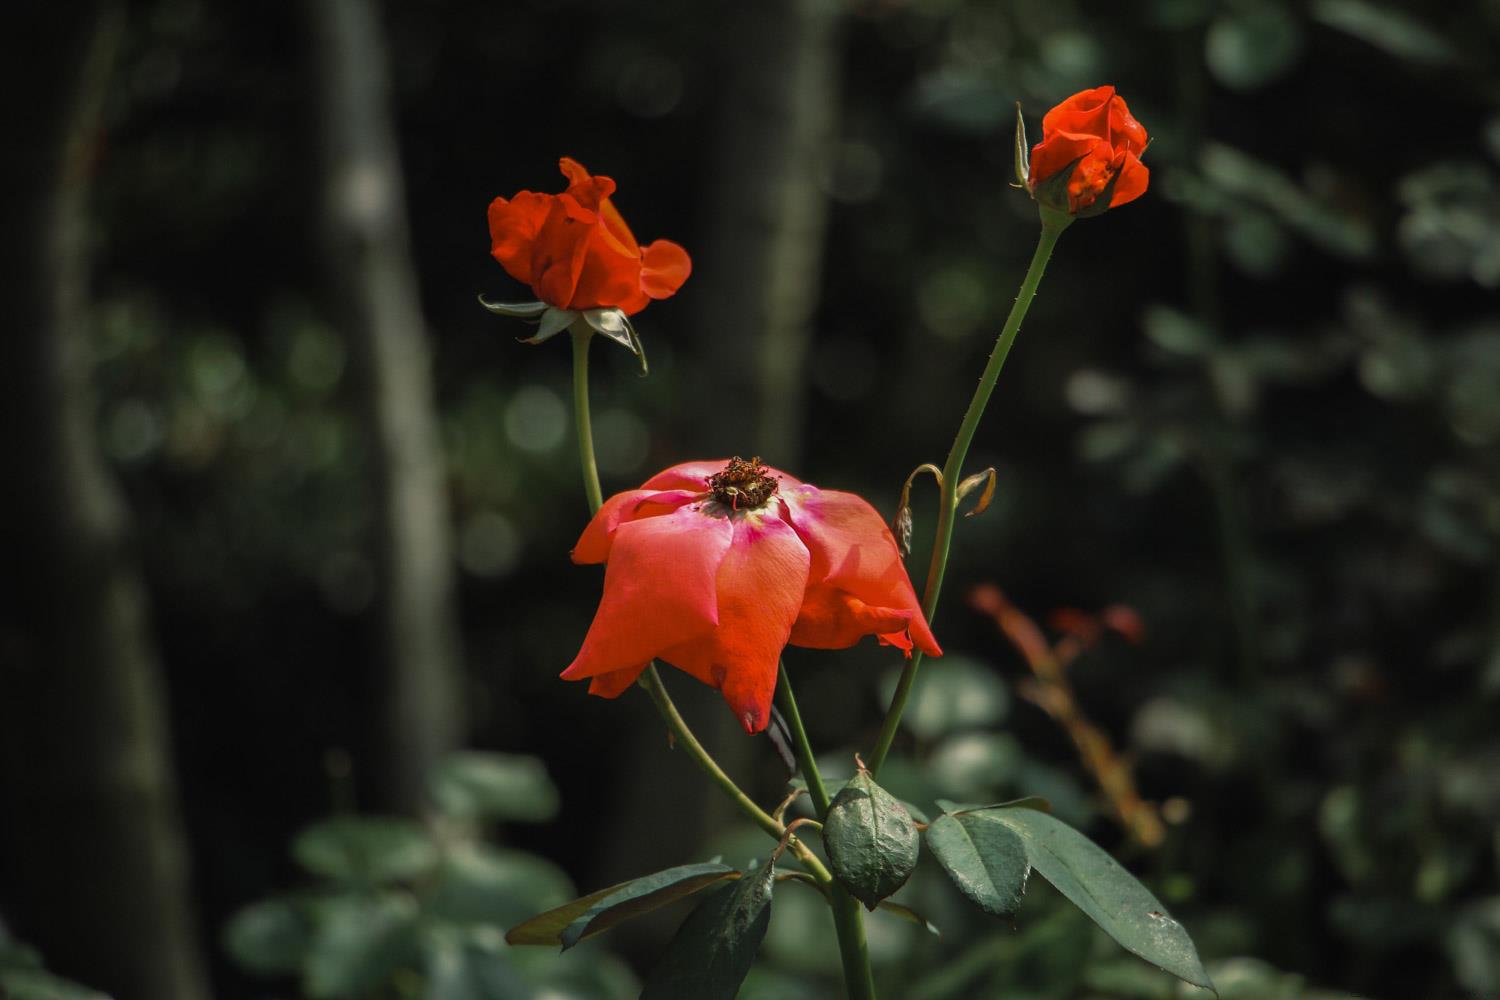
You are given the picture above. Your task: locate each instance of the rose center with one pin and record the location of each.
(742, 485)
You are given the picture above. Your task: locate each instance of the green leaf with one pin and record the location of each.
(986, 861)
(546, 928)
(714, 948)
(269, 938)
(494, 786)
(373, 850)
(1098, 885)
(1029, 802)
(871, 840)
(359, 943)
(642, 896)
(599, 911)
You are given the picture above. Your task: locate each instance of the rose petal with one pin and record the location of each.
(514, 225)
(1055, 153)
(695, 476)
(1086, 112)
(664, 267)
(1131, 184)
(632, 505)
(589, 191)
(621, 233)
(1124, 131)
(831, 618)
(659, 590)
(760, 586)
(1090, 177)
(610, 276)
(559, 250)
(853, 550)
(616, 682)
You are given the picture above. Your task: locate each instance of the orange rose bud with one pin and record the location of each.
(576, 252)
(1089, 157)
(715, 567)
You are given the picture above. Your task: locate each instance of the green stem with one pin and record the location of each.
(815, 786)
(650, 679)
(1053, 223)
(854, 951)
(583, 423)
(848, 919)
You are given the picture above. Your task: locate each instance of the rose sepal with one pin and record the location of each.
(615, 324)
(522, 310)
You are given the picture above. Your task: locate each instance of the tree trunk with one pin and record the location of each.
(94, 861)
(376, 300)
(763, 264)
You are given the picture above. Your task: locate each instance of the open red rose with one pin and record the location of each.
(1092, 137)
(715, 567)
(575, 250)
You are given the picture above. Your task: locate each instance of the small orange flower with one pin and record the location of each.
(1091, 140)
(575, 250)
(716, 567)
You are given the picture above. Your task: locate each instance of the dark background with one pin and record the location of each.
(1261, 406)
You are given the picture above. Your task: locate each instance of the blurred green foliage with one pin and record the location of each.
(1261, 405)
(23, 976)
(402, 908)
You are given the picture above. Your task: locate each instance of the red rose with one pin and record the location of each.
(1091, 140)
(715, 568)
(575, 250)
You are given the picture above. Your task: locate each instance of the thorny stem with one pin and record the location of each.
(1053, 223)
(848, 919)
(650, 679)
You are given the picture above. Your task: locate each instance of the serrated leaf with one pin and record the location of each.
(366, 849)
(986, 861)
(494, 786)
(358, 944)
(631, 898)
(269, 938)
(871, 840)
(714, 948)
(1099, 886)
